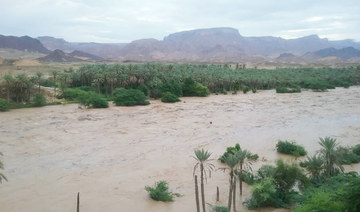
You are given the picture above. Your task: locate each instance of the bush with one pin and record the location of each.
(129, 97)
(4, 105)
(245, 89)
(169, 97)
(160, 192)
(192, 88)
(232, 149)
(253, 90)
(356, 149)
(218, 208)
(290, 148)
(262, 194)
(318, 85)
(288, 90)
(173, 87)
(73, 94)
(97, 101)
(39, 100)
(347, 155)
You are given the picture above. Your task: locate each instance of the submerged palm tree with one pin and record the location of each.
(314, 166)
(328, 152)
(244, 162)
(202, 158)
(231, 161)
(2, 176)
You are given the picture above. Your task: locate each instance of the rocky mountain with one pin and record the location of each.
(223, 45)
(104, 50)
(344, 53)
(24, 43)
(59, 56)
(285, 55)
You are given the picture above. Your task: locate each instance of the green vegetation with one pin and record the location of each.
(281, 89)
(2, 176)
(348, 155)
(245, 88)
(169, 97)
(4, 105)
(160, 192)
(218, 208)
(276, 185)
(290, 148)
(39, 100)
(179, 79)
(192, 88)
(233, 150)
(339, 193)
(129, 97)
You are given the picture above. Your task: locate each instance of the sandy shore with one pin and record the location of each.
(110, 155)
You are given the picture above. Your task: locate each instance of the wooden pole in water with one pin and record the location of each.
(197, 195)
(78, 202)
(217, 194)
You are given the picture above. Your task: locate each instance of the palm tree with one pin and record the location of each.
(244, 162)
(9, 79)
(54, 74)
(232, 161)
(314, 165)
(328, 152)
(39, 75)
(2, 176)
(202, 158)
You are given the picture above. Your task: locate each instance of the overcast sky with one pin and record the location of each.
(127, 20)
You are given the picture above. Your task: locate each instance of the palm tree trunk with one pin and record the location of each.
(234, 194)
(78, 202)
(240, 180)
(230, 192)
(202, 186)
(197, 195)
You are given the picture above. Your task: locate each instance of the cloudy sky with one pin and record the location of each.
(127, 20)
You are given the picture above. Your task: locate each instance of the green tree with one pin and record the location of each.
(38, 77)
(231, 161)
(314, 166)
(202, 157)
(9, 80)
(244, 162)
(328, 152)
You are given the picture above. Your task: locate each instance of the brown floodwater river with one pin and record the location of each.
(110, 155)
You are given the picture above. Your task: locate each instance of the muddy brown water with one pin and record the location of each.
(110, 155)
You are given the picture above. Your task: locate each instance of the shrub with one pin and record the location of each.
(347, 155)
(173, 87)
(129, 97)
(143, 88)
(253, 90)
(4, 105)
(290, 148)
(169, 97)
(245, 88)
(262, 194)
(356, 149)
(288, 90)
(318, 85)
(97, 101)
(232, 149)
(39, 100)
(192, 88)
(218, 208)
(160, 192)
(73, 94)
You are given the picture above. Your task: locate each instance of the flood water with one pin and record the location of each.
(110, 155)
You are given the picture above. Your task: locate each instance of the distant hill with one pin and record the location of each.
(214, 45)
(85, 56)
(104, 50)
(344, 53)
(24, 43)
(59, 56)
(285, 55)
